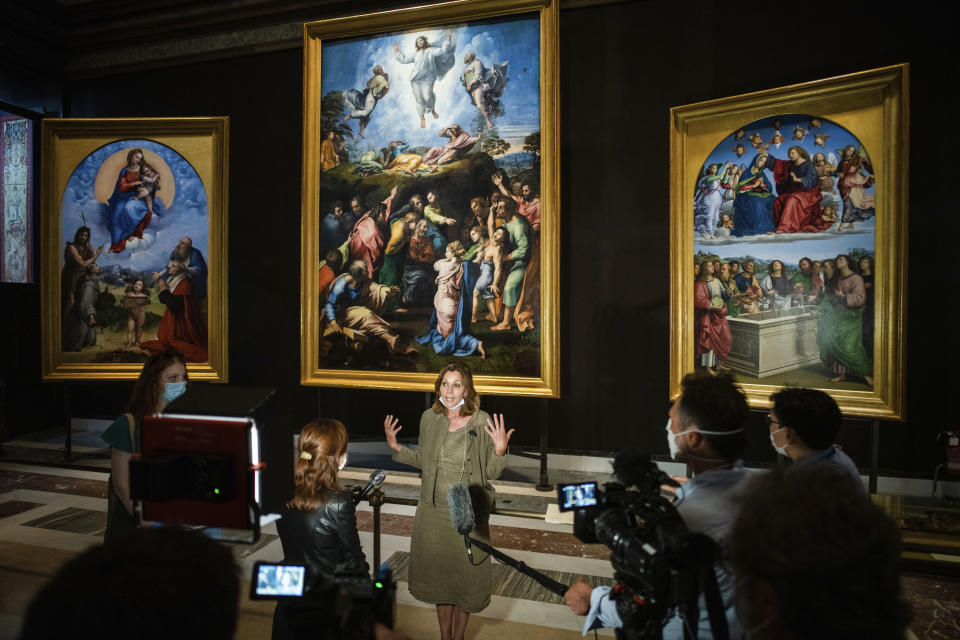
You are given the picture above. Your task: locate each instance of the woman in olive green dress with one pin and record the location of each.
(458, 444)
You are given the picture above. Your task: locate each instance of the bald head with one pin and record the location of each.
(183, 249)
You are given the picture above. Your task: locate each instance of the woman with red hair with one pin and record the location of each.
(319, 525)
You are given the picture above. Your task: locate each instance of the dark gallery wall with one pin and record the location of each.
(622, 67)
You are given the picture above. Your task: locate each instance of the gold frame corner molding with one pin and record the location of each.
(71, 152)
(873, 107)
(318, 35)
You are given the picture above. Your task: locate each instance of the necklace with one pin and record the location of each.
(463, 465)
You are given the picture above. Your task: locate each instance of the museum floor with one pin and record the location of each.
(48, 514)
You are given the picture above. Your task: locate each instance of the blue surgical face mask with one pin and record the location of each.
(173, 390)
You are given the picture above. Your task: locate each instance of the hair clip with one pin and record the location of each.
(306, 455)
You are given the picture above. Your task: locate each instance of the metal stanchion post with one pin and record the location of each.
(375, 500)
(68, 435)
(544, 484)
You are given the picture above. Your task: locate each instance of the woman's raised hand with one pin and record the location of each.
(497, 431)
(390, 429)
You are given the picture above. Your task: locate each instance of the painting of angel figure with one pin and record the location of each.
(429, 204)
(136, 229)
(784, 215)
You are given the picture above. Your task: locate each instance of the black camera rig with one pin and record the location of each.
(659, 565)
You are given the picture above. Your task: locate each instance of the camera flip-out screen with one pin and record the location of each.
(277, 580)
(577, 496)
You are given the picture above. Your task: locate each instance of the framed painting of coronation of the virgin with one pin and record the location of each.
(430, 197)
(134, 233)
(789, 240)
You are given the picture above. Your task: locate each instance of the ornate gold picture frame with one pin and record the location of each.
(431, 157)
(134, 237)
(789, 240)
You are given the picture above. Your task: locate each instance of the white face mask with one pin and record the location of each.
(672, 440)
(672, 437)
(343, 463)
(443, 402)
(781, 450)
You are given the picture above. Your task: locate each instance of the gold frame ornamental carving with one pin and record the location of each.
(80, 186)
(537, 373)
(867, 114)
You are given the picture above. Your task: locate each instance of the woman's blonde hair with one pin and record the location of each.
(457, 248)
(322, 444)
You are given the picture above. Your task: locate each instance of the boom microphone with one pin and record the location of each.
(376, 479)
(462, 519)
(461, 514)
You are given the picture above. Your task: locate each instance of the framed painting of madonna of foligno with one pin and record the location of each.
(430, 197)
(134, 237)
(789, 240)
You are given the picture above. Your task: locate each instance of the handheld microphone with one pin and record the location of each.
(376, 479)
(461, 514)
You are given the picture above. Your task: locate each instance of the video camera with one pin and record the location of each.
(658, 563)
(345, 606)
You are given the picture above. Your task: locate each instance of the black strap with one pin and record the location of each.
(715, 610)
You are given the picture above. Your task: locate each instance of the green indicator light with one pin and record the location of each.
(216, 491)
(378, 585)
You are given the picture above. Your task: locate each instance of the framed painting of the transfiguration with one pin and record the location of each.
(430, 197)
(789, 240)
(134, 236)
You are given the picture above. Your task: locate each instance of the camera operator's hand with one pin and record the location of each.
(666, 488)
(577, 597)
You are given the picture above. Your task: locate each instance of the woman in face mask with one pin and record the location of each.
(318, 527)
(459, 445)
(162, 380)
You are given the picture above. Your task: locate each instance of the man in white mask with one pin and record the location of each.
(706, 430)
(803, 425)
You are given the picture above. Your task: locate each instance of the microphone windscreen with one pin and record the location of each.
(632, 466)
(461, 509)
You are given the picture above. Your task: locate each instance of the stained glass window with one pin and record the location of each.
(16, 198)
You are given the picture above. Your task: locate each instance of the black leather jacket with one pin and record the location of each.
(326, 539)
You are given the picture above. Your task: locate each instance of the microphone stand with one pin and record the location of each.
(375, 499)
(549, 583)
